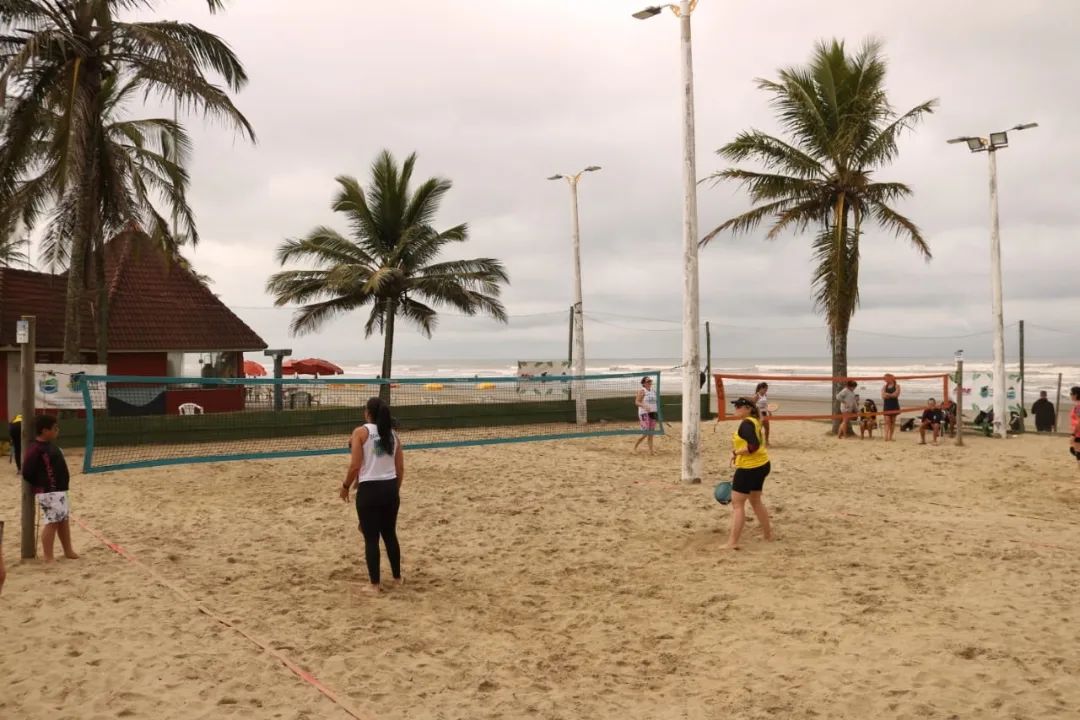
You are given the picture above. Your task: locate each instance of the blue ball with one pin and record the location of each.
(722, 493)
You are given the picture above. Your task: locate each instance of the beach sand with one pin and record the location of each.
(568, 580)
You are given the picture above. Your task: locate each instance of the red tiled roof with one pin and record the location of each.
(154, 304)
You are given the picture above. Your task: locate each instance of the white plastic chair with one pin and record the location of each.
(190, 408)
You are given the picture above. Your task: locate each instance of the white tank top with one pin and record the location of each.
(377, 464)
(648, 402)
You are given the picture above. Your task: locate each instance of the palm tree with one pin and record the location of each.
(841, 131)
(388, 262)
(12, 250)
(143, 163)
(64, 62)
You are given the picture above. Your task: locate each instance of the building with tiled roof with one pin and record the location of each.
(158, 311)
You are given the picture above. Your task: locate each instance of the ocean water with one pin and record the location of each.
(1040, 375)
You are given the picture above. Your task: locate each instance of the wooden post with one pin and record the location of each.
(708, 365)
(29, 350)
(1023, 407)
(279, 361)
(959, 398)
(1057, 404)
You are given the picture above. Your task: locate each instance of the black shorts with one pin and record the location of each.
(892, 405)
(748, 480)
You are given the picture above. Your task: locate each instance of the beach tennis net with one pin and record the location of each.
(812, 397)
(135, 422)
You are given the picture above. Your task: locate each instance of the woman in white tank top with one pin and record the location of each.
(646, 402)
(376, 470)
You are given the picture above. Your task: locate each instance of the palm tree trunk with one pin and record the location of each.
(838, 322)
(839, 339)
(84, 126)
(102, 289)
(76, 280)
(388, 349)
(73, 303)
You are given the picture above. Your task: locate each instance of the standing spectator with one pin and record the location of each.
(890, 396)
(1044, 412)
(849, 407)
(761, 397)
(1074, 418)
(46, 470)
(15, 433)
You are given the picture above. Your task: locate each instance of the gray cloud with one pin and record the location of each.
(497, 96)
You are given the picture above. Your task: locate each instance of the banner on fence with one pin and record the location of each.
(57, 386)
(533, 374)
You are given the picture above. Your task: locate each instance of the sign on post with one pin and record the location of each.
(22, 332)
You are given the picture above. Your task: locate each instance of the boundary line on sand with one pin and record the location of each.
(277, 655)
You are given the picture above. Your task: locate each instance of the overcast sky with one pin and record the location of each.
(498, 95)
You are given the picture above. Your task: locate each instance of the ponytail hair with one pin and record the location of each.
(379, 412)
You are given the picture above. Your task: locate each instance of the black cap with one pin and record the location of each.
(742, 402)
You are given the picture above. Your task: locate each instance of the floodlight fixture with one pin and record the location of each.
(999, 140)
(1026, 126)
(976, 144)
(649, 12)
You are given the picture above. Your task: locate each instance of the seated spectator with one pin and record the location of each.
(932, 418)
(868, 419)
(948, 410)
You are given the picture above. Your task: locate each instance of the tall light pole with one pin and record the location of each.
(691, 348)
(990, 146)
(579, 319)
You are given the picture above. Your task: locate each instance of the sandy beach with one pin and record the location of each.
(567, 580)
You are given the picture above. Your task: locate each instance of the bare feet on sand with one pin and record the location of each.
(71, 555)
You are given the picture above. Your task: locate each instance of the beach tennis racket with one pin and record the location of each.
(773, 407)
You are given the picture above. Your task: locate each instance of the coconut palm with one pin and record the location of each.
(62, 61)
(143, 163)
(388, 262)
(12, 250)
(840, 130)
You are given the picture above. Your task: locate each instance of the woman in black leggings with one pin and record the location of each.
(377, 470)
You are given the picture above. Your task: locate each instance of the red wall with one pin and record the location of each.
(212, 400)
(152, 364)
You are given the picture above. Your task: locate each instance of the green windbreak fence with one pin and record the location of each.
(137, 422)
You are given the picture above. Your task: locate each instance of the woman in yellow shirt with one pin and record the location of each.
(751, 461)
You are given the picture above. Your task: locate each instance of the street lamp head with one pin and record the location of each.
(999, 140)
(649, 12)
(591, 168)
(976, 144)
(556, 177)
(1026, 126)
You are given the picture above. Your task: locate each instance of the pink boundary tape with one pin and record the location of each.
(284, 660)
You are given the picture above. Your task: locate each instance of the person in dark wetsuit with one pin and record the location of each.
(890, 397)
(1044, 412)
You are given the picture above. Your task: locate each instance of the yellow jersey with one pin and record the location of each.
(739, 443)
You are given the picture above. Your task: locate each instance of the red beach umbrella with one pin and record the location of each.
(315, 366)
(253, 369)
